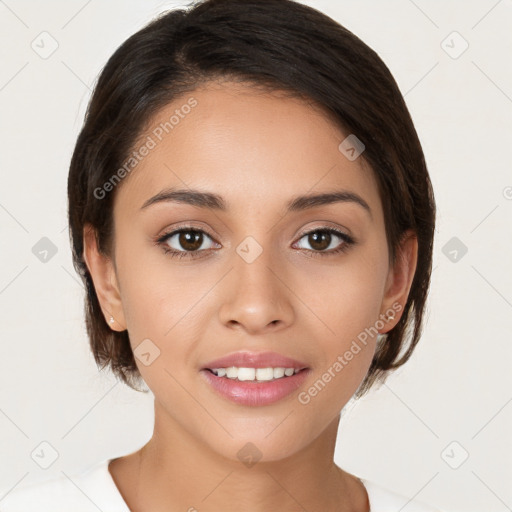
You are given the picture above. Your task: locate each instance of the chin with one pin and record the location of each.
(258, 446)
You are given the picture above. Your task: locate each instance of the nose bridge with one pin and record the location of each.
(257, 298)
(255, 267)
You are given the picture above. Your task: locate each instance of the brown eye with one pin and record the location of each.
(322, 239)
(184, 241)
(319, 240)
(190, 240)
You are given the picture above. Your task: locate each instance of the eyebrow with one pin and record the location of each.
(215, 202)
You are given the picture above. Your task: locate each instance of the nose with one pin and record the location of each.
(258, 298)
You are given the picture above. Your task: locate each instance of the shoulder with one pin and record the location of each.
(385, 500)
(89, 490)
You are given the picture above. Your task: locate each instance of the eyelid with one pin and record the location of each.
(327, 225)
(184, 226)
(346, 239)
(305, 231)
(161, 240)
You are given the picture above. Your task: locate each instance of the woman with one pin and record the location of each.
(251, 213)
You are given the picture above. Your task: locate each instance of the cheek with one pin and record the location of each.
(346, 299)
(162, 303)
(345, 349)
(156, 291)
(169, 303)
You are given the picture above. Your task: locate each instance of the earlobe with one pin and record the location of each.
(399, 280)
(100, 267)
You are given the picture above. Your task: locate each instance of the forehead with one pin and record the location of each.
(251, 146)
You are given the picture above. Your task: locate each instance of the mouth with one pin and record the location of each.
(259, 375)
(254, 378)
(261, 362)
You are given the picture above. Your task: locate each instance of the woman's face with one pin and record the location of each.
(255, 281)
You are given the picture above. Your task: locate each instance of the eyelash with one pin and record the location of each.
(347, 242)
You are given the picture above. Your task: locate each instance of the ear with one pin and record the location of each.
(104, 278)
(399, 280)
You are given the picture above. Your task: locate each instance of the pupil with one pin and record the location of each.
(323, 236)
(191, 240)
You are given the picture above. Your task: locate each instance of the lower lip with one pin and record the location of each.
(255, 393)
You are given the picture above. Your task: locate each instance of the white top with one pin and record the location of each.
(94, 489)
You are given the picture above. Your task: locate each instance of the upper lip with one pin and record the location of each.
(255, 360)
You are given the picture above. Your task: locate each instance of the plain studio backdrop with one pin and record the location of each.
(439, 429)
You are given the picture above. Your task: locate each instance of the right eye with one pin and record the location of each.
(189, 239)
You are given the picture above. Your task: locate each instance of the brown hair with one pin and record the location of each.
(279, 45)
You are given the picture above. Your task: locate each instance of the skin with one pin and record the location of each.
(257, 150)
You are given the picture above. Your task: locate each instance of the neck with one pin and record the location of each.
(175, 472)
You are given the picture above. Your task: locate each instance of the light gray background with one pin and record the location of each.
(454, 396)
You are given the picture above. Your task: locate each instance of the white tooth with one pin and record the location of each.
(246, 373)
(259, 374)
(232, 372)
(264, 373)
(278, 373)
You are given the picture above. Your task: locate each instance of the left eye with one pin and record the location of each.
(322, 239)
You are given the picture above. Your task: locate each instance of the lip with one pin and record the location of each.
(254, 393)
(247, 359)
